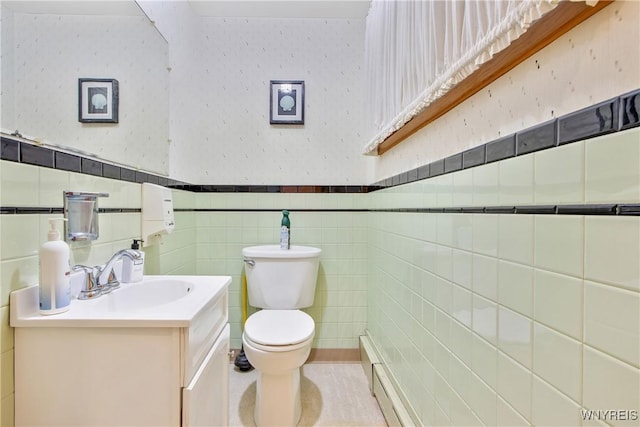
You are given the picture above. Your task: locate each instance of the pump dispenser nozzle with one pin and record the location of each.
(133, 269)
(54, 233)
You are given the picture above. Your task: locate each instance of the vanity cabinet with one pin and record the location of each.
(146, 373)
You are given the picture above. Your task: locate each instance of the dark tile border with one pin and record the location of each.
(613, 115)
(24, 152)
(603, 209)
(111, 171)
(537, 138)
(38, 156)
(500, 209)
(629, 110)
(119, 210)
(629, 210)
(500, 149)
(587, 209)
(453, 163)
(436, 168)
(474, 157)
(423, 172)
(616, 114)
(592, 209)
(92, 167)
(597, 120)
(68, 162)
(345, 189)
(26, 210)
(9, 149)
(127, 175)
(537, 210)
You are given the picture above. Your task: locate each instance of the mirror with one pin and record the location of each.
(47, 46)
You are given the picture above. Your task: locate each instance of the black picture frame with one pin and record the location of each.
(286, 102)
(98, 100)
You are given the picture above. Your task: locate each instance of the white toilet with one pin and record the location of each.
(277, 339)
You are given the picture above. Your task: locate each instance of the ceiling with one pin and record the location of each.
(69, 7)
(346, 9)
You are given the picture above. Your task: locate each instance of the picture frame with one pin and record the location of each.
(286, 102)
(98, 100)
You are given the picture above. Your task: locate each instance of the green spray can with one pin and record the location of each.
(285, 231)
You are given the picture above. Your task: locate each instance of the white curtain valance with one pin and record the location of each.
(416, 50)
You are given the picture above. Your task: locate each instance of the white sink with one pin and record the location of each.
(145, 295)
(155, 301)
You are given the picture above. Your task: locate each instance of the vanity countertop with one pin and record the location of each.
(156, 301)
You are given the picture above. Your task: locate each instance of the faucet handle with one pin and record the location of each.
(112, 281)
(90, 288)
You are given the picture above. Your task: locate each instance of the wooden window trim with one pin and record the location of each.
(554, 24)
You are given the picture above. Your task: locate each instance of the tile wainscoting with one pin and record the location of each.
(464, 279)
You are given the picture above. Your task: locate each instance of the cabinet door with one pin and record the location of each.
(205, 402)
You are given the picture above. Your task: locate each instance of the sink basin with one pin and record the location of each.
(144, 296)
(155, 301)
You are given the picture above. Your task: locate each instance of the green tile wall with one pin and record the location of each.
(481, 318)
(511, 319)
(340, 305)
(21, 236)
(203, 242)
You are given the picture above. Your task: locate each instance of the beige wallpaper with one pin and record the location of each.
(594, 62)
(220, 76)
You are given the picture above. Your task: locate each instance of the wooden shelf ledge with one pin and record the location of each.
(542, 32)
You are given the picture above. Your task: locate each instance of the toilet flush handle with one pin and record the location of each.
(250, 262)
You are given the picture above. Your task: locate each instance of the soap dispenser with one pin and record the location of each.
(133, 269)
(55, 272)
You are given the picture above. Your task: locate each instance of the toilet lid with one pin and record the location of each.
(279, 327)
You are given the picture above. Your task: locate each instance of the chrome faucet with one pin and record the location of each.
(106, 277)
(101, 280)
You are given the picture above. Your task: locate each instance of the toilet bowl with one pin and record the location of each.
(277, 343)
(277, 339)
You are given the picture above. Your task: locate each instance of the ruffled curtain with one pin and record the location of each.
(416, 50)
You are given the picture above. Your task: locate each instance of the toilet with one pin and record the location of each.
(277, 339)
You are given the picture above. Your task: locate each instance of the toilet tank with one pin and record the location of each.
(281, 279)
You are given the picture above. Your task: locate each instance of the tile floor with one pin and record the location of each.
(333, 394)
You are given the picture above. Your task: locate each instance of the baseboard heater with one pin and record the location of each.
(382, 387)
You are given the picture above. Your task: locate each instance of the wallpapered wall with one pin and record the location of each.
(591, 63)
(43, 56)
(220, 76)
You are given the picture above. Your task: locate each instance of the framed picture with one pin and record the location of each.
(286, 102)
(98, 100)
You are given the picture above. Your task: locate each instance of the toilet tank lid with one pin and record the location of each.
(274, 251)
(279, 327)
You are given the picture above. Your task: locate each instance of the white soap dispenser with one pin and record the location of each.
(133, 269)
(55, 272)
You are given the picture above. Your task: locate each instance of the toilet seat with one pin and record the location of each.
(276, 328)
(273, 349)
